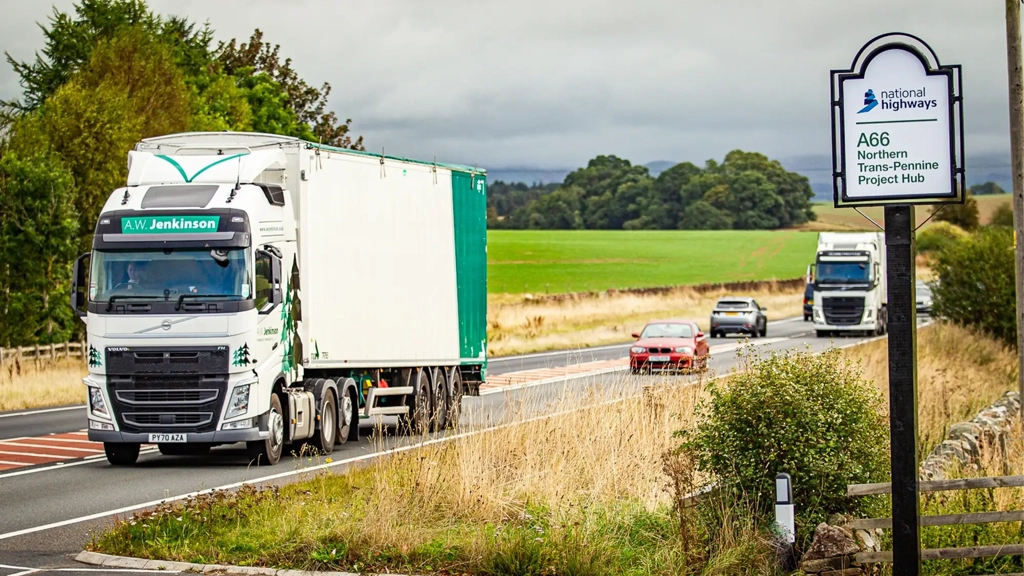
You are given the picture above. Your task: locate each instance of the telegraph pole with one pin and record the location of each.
(1013, 66)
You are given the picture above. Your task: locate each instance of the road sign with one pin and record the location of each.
(897, 126)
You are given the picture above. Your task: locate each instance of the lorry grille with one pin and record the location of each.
(180, 390)
(154, 360)
(843, 311)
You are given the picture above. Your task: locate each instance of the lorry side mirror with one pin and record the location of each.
(80, 283)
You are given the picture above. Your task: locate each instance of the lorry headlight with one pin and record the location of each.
(684, 350)
(239, 401)
(96, 403)
(240, 425)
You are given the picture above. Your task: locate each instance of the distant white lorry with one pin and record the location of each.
(850, 290)
(262, 289)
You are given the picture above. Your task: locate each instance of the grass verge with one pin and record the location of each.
(581, 493)
(25, 385)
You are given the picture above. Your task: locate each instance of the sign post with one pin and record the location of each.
(897, 142)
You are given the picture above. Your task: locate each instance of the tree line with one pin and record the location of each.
(110, 73)
(746, 191)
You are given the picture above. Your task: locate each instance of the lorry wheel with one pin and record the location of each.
(347, 416)
(268, 452)
(323, 439)
(454, 406)
(417, 420)
(439, 399)
(120, 454)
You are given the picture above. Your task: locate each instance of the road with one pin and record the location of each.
(49, 511)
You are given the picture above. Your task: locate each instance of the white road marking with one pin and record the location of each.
(45, 411)
(61, 465)
(7, 443)
(27, 570)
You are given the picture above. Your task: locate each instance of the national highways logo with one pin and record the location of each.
(869, 102)
(898, 99)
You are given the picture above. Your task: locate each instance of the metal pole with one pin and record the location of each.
(901, 270)
(1013, 66)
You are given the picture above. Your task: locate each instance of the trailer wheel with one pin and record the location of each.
(417, 420)
(439, 399)
(455, 394)
(268, 452)
(323, 439)
(119, 454)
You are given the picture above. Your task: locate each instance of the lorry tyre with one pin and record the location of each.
(439, 399)
(268, 452)
(348, 415)
(417, 419)
(120, 454)
(455, 393)
(323, 439)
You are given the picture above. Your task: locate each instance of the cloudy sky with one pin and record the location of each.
(552, 83)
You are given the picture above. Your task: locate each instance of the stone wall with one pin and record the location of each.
(834, 546)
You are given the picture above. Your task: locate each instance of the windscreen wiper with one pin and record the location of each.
(110, 302)
(181, 298)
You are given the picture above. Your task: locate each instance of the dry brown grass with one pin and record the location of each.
(519, 326)
(959, 373)
(26, 384)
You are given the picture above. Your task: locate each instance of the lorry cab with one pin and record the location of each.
(849, 284)
(181, 277)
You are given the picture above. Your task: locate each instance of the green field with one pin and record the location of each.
(558, 261)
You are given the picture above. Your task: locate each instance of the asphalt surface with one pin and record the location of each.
(47, 513)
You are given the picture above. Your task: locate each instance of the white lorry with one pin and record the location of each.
(262, 289)
(850, 290)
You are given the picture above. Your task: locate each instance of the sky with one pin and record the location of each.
(553, 83)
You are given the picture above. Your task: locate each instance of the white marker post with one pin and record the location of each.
(785, 519)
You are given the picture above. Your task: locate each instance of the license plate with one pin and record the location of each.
(732, 313)
(166, 438)
(660, 358)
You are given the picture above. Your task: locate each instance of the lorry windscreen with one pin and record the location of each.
(843, 272)
(169, 274)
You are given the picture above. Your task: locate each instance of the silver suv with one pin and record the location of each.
(738, 316)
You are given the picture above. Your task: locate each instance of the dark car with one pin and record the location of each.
(808, 302)
(738, 316)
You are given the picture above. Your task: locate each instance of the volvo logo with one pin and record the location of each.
(166, 324)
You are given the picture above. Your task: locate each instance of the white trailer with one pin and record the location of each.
(850, 290)
(287, 290)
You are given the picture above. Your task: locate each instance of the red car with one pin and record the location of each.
(669, 344)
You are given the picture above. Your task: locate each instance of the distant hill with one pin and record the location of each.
(816, 167)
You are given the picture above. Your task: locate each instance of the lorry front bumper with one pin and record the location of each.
(218, 437)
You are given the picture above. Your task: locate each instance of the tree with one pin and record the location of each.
(976, 284)
(988, 188)
(963, 215)
(309, 104)
(38, 228)
(1002, 216)
(130, 89)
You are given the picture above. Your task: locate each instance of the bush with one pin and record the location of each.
(976, 283)
(938, 236)
(812, 416)
(1003, 216)
(963, 215)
